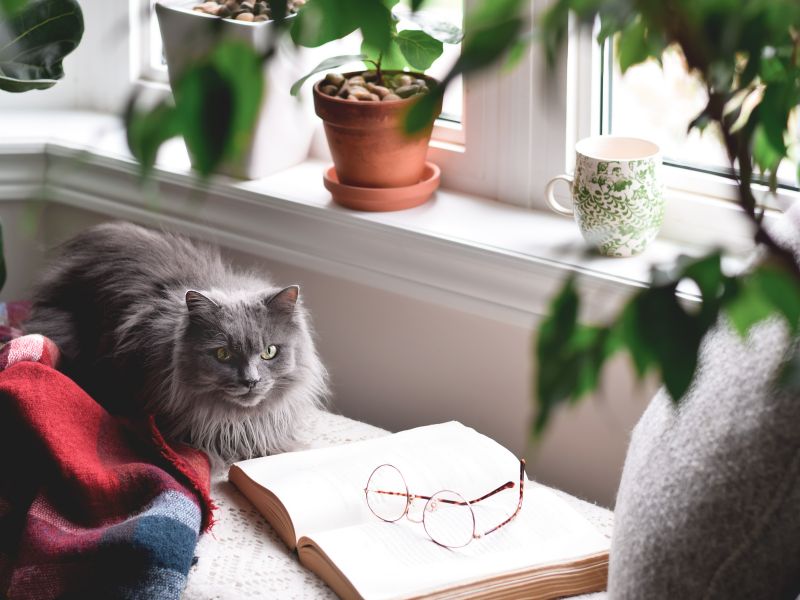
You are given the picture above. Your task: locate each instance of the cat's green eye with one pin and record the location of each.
(223, 354)
(270, 353)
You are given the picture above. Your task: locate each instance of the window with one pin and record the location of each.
(146, 48)
(659, 103)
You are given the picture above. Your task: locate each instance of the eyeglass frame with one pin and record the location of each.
(411, 497)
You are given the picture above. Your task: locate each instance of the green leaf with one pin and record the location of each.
(517, 51)
(391, 60)
(553, 30)
(416, 4)
(626, 334)
(570, 356)
(556, 373)
(632, 46)
(766, 156)
(563, 318)
(279, 10)
(419, 48)
(376, 24)
(147, 131)
(770, 119)
(448, 33)
(321, 21)
(35, 40)
(747, 305)
(490, 31)
(671, 335)
(10, 7)
(218, 100)
(782, 290)
(707, 273)
(423, 112)
(326, 65)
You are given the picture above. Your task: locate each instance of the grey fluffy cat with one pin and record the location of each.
(148, 320)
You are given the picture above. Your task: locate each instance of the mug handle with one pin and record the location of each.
(551, 199)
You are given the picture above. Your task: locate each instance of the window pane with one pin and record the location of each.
(157, 59)
(659, 103)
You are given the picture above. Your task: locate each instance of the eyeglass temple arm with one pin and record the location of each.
(445, 500)
(505, 486)
(519, 503)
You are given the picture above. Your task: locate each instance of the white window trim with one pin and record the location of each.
(460, 251)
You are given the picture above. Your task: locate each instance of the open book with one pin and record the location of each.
(316, 502)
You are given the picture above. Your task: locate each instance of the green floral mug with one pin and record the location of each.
(617, 193)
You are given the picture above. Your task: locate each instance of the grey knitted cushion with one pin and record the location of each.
(709, 503)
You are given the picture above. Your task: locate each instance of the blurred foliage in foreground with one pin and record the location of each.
(746, 54)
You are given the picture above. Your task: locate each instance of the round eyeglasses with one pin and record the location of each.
(448, 517)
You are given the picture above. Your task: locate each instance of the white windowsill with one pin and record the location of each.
(494, 259)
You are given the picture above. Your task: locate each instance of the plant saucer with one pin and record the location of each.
(383, 199)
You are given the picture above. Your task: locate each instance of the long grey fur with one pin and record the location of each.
(115, 301)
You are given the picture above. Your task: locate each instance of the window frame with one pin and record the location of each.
(701, 206)
(519, 129)
(144, 25)
(687, 178)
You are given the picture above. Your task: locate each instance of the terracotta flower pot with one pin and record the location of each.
(367, 141)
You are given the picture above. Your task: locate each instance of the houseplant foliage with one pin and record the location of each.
(214, 106)
(35, 36)
(383, 46)
(747, 54)
(491, 29)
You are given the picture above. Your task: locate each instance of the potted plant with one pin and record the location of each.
(379, 166)
(214, 132)
(191, 32)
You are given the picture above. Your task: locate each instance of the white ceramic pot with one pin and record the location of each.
(284, 129)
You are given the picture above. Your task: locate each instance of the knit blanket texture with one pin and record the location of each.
(91, 505)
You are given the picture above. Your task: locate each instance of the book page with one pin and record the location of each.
(323, 489)
(398, 560)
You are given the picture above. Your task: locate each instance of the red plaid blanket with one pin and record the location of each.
(91, 506)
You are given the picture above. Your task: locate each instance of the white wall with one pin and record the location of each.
(397, 362)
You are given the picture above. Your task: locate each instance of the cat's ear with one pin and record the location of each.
(198, 304)
(284, 301)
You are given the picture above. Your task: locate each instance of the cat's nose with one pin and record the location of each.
(250, 383)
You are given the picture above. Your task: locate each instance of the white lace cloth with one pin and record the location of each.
(244, 558)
